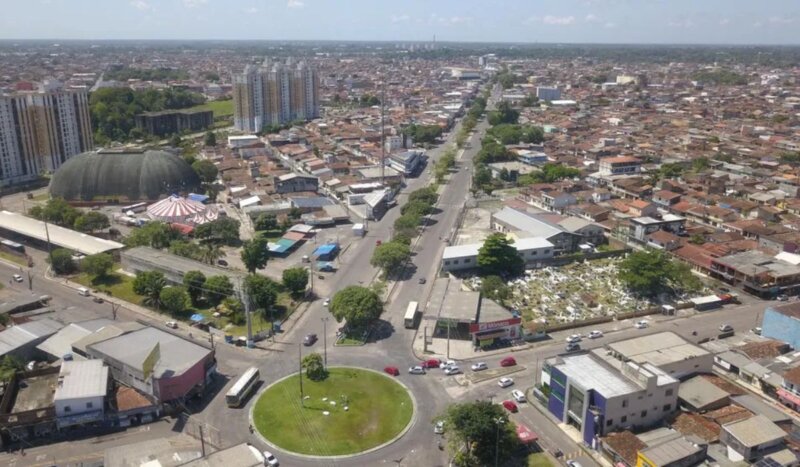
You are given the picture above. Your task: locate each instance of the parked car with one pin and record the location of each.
(574, 338)
(725, 327)
(757, 330)
(518, 395)
(595, 334)
(17, 278)
(269, 459)
(505, 382)
(97, 299)
(574, 464)
(510, 406)
(452, 370)
(310, 339)
(422, 280)
(444, 365)
(641, 324)
(480, 366)
(431, 363)
(782, 298)
(416, 370)
(508, 361)
(172, 325)
(572, 347)
(327, 302)
(391, 370)
(438, 428)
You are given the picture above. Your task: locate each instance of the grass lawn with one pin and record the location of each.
(539, 459)
(283, 308)
(21, 260)
(220, 108)
(378, 410)
(118, 285)
(42, 197)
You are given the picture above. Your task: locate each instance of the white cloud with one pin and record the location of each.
(758, 24)
(296, 4)
(399, 18)
(724, 21)
(452, 20)
(194, 3)
(251, 10)
(781, 20)
(681, 23)
(610, 25)
(141, 5)
(592, 18)
(559, 20)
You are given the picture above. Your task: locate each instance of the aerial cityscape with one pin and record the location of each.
(562, 234)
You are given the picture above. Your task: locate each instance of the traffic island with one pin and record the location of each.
(350, 412)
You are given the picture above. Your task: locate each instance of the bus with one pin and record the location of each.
(138, 207)
(411, 315)
(242, 388)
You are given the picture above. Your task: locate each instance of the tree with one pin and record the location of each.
(404, 236)
(97, 265)
(495, 287)
(357, 305)
(149, 284)
(235, 311)
(390, 257)
(498, 257)
(174, 300)
(295, 279)
(416, 208)
(478, 433)
(210, 253)
(224, 230)
(9, 366)
(217, 289)
(185, 249)
(266, 222)
(91, 222)
(205, 169)
(210, 139)
(425, 195)
(407, 222)
(697, 239)
(700, 164)
(255, 254)
(62, 262)
(315, 370)
(153, 234)
(504, 114)
(175, 141)
(482, 179)
(263, 293)
(651, 272)
(56, 211)
(194, 281)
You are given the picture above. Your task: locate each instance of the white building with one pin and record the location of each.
(530, 249)
(666, 350)
(548, 93)
(81, 392)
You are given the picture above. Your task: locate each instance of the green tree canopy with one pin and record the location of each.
(91, 222)
(425, 195)
(235, 311)
(174, 300)
(210, 139)
(315, 370)
(651, 272)
(497, 256)
(390, 257)
(407, 222)
(205, 169)
(357, 305)
(266, 222)
(97, 265)
(550, 173)
(416, 209)
(217, 288)
(224, 230)
(194, 281)
(155, 234)
(295, 280)
(495, 287)
(424, 133)
(62, 262)
(56, 211)
(263, 293)
(149, 284)
(504, 114)
(255, 254)
(478, 432)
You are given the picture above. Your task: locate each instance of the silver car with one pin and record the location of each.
(416, 370)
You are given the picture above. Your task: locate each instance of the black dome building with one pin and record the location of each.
(124, 175)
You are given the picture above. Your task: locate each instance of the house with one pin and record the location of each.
(667, 351)
(293, 183)
(699, 395)
(557, 201)
(664, 240)
(641, 227)
(677, 451)
(405, 162)
(531, 249)
(752, 438)
(665, 198)
(81, 392)
(640, 208)
(620, 165)
(758, 273)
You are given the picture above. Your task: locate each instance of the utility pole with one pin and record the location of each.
(300, 373)
(114, 308)
(325, 340)
(202, 441)
(448, 339)
(246, 302)
(383, 130)
(30, 280)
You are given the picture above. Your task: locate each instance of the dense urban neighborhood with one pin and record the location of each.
(418, 253)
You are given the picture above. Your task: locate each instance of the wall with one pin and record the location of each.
(78, 406)
(558, 383)
(781, 327)
(626, 411)
(179, 385)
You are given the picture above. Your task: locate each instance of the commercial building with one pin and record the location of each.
(531, 249)
(564, 232)
(752, 438)
(596, 397)
(81, 392)
(39, 131)
(274, 94)
(666, 350)
(405, 162)
(21, 340)
(620, 165)
(758, 273)
(640, 228)
(168, 122)
(293, 183)
(548, 93)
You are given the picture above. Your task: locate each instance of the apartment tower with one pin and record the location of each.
(40, 130)
(274, 94)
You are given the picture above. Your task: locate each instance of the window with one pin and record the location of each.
(468, 260)
(624, 402)
(669, 392)
(644, 413)
(609, 422)
(650, 395)
(89, 405)
(623, 419)
(67, 409)
(667, 407)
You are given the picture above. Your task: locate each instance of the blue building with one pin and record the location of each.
(782, 322)
(597, 396)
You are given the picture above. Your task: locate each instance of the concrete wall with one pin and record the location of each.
(78, 406)
(178, 386)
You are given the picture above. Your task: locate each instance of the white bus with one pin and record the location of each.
(411, 315)
(242, 388)
(138, 207)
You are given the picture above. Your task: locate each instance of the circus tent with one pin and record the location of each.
(177, 209)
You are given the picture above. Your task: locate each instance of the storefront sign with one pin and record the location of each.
(473, 328)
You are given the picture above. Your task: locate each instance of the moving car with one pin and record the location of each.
(518, 395)
(327, 302)
(422, 280)
(452, 370)
(782, 298)
(438, 428)
(508, 361)
(97, 299)
(444, 365)
(595, 334)
(172, 325)
(574, 464)
(269, 459)
(416, 370)
(391, 370)
(479, 366)
(641, 324)
(572, 347)
(510, 406)
(432, 363)
(757, 331)
(17, 278)
(505, 382)
(725, 327)
(574, 338)
(309, 339)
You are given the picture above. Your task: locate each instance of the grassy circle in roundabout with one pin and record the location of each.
(349, 412)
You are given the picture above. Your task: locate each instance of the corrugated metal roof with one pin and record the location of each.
(754, 431)
(80, 379)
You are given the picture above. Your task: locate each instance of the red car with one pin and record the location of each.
(510, 406)
(432, 363)
(508, 361)
(391, 370)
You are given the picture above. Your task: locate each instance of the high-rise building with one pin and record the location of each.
(274, 94)
(40, 130)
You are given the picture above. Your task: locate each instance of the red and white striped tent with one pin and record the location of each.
(175, 209)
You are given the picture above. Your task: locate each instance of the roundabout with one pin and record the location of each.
(350, 412)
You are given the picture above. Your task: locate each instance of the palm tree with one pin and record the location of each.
(210, 253)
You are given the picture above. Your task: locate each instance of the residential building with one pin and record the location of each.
(641, 227)
(274, 94)
(169, 122)
(293, 183)
(665, 350)
(564, 232)
(752, 438)
(758, 273)
(405, 162)
(620, 165)
(39, 131)
(531, 249)
(81, 392)
(548, 93)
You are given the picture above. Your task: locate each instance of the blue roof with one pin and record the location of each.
(282, 245)
(198, 197)
(197, 317)
(326, 249)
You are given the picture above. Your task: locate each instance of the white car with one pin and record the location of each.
(172, 325)
(595, 334)
(518, 395)
(270, 459)
(505, 382)
(725, 327)
(452, 370)
(641, 324)
(447, 364)
(573, 338)
(416, 370)
(17, 278)
(438, 428)
(479, 366)
(327, 302)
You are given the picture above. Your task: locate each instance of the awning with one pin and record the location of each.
(793, 398)
(525, 435)
(493, 334)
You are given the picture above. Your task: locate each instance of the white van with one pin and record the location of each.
(83, 291)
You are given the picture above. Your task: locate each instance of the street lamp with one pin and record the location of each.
(497, 422)
(325, 339)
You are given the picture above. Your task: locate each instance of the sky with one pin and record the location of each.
(545, 21)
